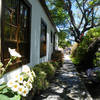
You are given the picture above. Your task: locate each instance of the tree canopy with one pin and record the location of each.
(62, 42)
(78, 16)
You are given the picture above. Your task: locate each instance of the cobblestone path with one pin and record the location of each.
(67, 85)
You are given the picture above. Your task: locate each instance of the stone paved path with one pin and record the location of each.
(67, 85)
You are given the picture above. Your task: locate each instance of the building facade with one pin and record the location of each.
(26, 25)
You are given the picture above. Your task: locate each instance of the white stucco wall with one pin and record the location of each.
(0, 27)
(37, 13)
(56, 42)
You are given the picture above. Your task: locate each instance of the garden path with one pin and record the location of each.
(67, 85)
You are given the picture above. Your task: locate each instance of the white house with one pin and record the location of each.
(27, 26)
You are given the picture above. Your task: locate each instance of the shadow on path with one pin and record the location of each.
(66, 85)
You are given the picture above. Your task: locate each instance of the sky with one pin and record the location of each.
(77, 15)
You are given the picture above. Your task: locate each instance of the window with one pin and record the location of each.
(54, 42)
(51, 36)
(43, 39)
(16, 29)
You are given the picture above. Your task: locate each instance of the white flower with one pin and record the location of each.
(25, 92)
(15, 87)
(10, 83)
(20, 89)
(17, 77)
(31, 79)
(25, 83)
(20, 79)
(13, 53)
(29, 86)
(26, 69)
(33, 73)
(29, 74)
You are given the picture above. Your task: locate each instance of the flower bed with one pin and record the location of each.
(30, 81)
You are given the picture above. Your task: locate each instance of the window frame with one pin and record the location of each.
(54, 37)
(16, 64)
(51, 37)
(45, 51)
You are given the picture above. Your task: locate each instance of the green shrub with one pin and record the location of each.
(75, 61)
(47, 68)
(58, 57)
(73, 49)
(96, 60)
(55, 64)
(98, 75)
(40, 82)
(80, 53)
(44, 72)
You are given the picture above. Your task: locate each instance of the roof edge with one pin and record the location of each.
(43, 4)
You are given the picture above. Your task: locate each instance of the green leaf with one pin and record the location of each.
(2, 86)
(16, 97)
(4, 97)
(5, 90)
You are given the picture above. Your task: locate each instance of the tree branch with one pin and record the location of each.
(79, 7)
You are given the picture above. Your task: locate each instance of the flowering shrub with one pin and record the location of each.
(19, 85)
(22, 83)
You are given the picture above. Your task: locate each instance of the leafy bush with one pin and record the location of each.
(44, 73)
(80, 53)
(58, 57)
(98, 75)
(75, 61)
(47, 68)
(96, 60)
(55, 64)
(28, 82)
(41, 82)
(73, 50)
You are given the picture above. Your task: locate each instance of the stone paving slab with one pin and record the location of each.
(67, 85)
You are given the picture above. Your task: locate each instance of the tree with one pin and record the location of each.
(85, 53)
(76, 15)
(62, 39)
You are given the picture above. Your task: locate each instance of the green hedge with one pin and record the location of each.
(44, 73)
(81, 51)
(48, 68)
(58, 57)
